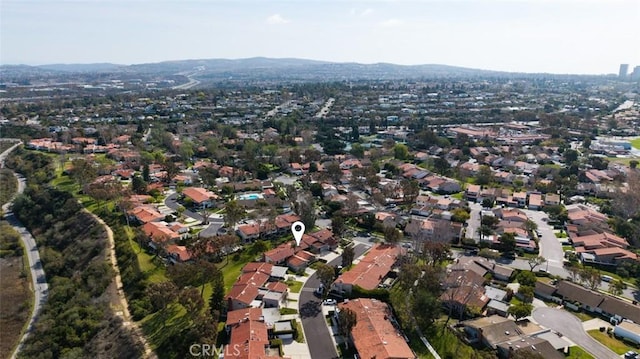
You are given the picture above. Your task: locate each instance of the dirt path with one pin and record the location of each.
(122, 307)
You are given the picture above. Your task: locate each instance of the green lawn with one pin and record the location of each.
(231, 271)
(294, 286)
(582, 315)
(285, 311)
(447, 344)
(636, 143)
(614, 344)
(576, 352)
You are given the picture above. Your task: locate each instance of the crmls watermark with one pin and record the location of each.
(211, 351)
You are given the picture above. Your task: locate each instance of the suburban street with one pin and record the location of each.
(571, 327)
(315, 327)
(38, 278)
(171, 202)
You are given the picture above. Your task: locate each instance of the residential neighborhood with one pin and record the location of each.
(444, 218)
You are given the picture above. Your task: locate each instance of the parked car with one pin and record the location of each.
(630, 355)
(329, 302)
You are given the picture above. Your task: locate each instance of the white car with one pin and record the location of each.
(329, 302)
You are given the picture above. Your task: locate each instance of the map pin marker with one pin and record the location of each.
(297, 228)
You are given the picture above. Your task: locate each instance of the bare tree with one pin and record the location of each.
(536, 261)
(347, 319)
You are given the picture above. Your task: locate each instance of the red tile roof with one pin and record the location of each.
(375, 265)
(198, 194)
(374, 335)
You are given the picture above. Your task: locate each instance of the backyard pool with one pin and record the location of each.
(248, 196)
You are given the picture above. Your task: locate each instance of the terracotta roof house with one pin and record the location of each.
(374, 335)
(370, 271)
(464, 289)
(249, 340)
(145, 214)
(159, 232)
(178, 253)
(279, 254)
(201, 197)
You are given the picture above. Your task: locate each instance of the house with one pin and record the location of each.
(158, 232)
(538, 346)
(535, 201)
(249, 232)
(371, 271)
(508, 337)
(520, 198)
(178, 253)
(280, 254)
(492, 330)
(463, 289)
(617, 310)
(201, 197)
(472, 192)
(579, 296)
(249, 336)
(551, 199)
(145, 214)
(375, 335)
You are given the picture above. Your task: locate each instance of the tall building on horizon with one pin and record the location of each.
(635, 75)
(624, 70)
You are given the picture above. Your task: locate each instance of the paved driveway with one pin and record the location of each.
(571, 327)
(316, 332)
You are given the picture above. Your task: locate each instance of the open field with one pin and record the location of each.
(636, 143)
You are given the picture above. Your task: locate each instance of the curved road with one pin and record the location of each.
(321, 345)
(38, 278)
(571, 327)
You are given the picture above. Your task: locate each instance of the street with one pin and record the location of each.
(315, 327)
(571, 327)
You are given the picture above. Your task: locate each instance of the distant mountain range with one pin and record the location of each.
(261, 68)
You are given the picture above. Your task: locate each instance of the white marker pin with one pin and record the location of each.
(297, 228)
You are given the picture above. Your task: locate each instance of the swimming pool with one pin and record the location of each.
(248, 196)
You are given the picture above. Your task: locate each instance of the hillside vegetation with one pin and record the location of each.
(77, 320)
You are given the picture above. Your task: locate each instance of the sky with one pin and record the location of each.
(554, 36)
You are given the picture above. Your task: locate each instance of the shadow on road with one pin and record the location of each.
(310, 309)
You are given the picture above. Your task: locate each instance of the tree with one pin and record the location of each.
(484, 175)
(526, 292)
(526, 278)
(536, 261)
(138, 185)
(305, 208)
(217, 304)
(162, 294)
(392, 235)
(83, 171)
(441, 166)
(408, 275)
(191, 300)
(226, 243)
(530, 225)
(348, 255)
(435, 252)
(410, 190)
(333, 171)
(337, 225)
(591, 277)
(520, 310)
(347, 319)
(400, 151)
(460, 215)
(616, 287)
(508, 241)
(326, 275)
(234, 212)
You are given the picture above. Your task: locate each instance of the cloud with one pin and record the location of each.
(366, 12)
(391, 23)
(277, 19)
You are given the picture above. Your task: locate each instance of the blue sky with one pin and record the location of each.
(557, 36)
